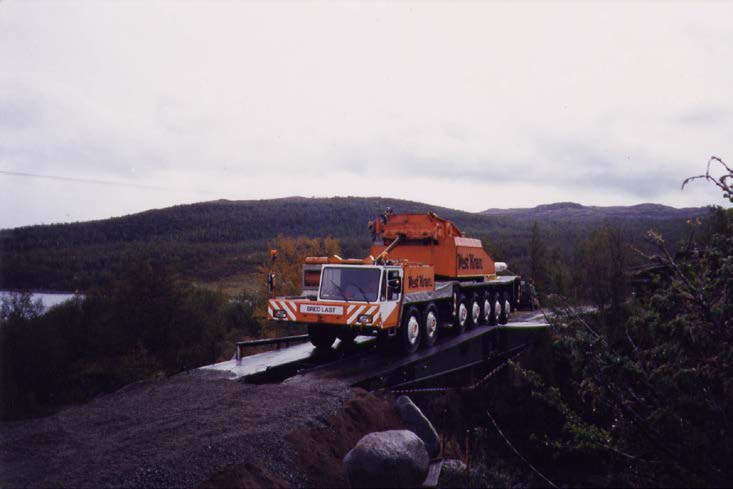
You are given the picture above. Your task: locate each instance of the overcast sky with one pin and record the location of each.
(470, 106)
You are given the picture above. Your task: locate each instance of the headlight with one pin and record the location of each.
(280, 314)
(365, 319)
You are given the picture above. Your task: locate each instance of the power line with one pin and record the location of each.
(102, 182)
(81, 180)
(534, 469)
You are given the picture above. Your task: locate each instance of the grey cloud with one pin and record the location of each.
(70, 159)
(705, 117)
(256, 100)
(565, 165)
(18, 113)
(629, 171)
(32, 140)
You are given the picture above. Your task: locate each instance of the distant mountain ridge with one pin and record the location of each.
(215, 239)
(565, 210)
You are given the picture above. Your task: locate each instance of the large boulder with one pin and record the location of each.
(394, 458)
(416, 422)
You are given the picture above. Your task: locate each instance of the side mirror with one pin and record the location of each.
(270, 283)
(395, 284)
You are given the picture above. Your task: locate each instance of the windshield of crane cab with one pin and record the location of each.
(350, 284)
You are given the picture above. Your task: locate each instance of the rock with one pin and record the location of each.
(453, 474)
(454, 465)
(394, 458)
(416, 422)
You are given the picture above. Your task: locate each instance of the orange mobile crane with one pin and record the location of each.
(422, 274)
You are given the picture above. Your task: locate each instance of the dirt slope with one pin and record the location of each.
(190, 430)
(320, 447)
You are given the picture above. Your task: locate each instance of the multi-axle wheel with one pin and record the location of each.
(321, 337)
(492, 308)
(503, 308)
(475, 319)
(419, 327)
(347, 336)
(462, 315)
(429, 325)
(489, 309)
(411, 330)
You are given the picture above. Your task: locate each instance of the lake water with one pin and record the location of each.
(48, 299)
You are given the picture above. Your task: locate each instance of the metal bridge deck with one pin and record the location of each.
(255, 366)
(362, 365)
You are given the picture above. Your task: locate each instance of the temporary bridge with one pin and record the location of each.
(361, 364)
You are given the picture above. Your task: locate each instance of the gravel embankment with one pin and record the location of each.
(179, 431)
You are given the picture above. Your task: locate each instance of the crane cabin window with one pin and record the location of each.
(359, 284)
(392, 294)
(311, 279)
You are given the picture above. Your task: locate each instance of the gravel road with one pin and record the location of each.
(195, 429)
(176, 432)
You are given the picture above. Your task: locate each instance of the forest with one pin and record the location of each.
(144, 324)
(220, 241)
(636, 393)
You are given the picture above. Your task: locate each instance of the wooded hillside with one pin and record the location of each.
(211, 241)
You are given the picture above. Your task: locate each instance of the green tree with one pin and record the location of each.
(642, 399)
(538, 258)
(602, 266)
(144, 324)
(19, 306)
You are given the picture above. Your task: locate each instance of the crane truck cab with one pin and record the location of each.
(426, 276)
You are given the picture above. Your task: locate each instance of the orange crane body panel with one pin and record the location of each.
(431, 240)
(419, 278)
(417, 227)
(451, 258)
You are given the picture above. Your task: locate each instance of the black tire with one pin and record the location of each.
(474, 310)
(429, 324)
(383, 341)
(347, 336)
(410, 331)
(461, 321)
(321, 337)
(503, 318)
(494, 313)
(486, 308)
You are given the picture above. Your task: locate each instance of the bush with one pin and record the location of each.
(142, 325)
(641, 398)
